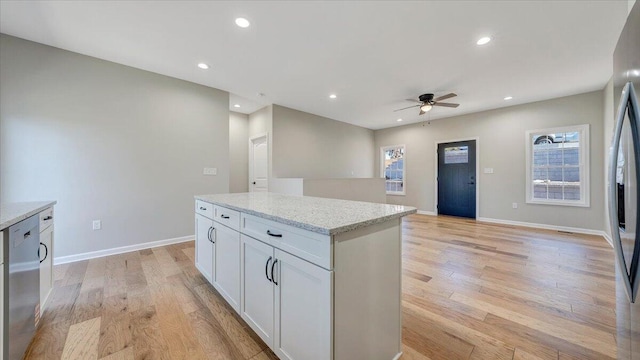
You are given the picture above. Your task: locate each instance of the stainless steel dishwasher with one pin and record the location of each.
(24, 285)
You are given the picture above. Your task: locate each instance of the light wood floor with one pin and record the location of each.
(470, 291)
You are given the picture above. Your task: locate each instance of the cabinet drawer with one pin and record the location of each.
(205, 209)
(228, 217)
(46, 218)
(313, 247)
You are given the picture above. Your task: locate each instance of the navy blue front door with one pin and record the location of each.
(457, 179)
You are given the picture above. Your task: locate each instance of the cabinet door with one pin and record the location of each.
(304, 310)
(205, 246)
(46, 266)
(226, 277)
(257, 288)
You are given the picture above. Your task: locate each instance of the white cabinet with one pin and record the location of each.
(303, 314)
(46, 256)
(205, 246)
(287, 301)
(257, 288)
(46, 266)
(226, 273)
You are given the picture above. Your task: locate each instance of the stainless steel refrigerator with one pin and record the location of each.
(624, 178)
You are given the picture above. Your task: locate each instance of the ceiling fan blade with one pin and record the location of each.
(421, 112)
(446, 105)
(414, 100)
(408, 107)
(444, 97)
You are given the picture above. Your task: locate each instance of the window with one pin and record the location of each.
(558, 166)
(393, 168)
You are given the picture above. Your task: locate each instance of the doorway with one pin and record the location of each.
(259, 163)
(457, 179)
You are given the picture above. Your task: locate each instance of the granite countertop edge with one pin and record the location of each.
(32, 208)
(305, 226)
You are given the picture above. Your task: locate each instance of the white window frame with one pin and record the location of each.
(583, 165)
(404, 169)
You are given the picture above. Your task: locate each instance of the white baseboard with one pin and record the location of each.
(608, 238)
(424, 212)
(548, 227)
(119, 250)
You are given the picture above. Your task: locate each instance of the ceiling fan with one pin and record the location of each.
(426, 102)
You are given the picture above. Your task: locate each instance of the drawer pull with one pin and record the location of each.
(224, 216)
(209, 234)
(47, 218)
(203, 208)
(273, 279)
(272, 234)
(266, 269)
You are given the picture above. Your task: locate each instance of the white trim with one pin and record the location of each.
(398, 356)
(608, 238)
(424, 212)
(120, 250)
(585, 151)
(548, 227)
(404, 169)
(477, 140)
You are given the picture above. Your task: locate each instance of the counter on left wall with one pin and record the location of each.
(13, 213)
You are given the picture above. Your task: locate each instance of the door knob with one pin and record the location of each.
(254, 183)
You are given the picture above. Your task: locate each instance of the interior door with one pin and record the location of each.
(258, 164)
(257, 288)
(457, 179)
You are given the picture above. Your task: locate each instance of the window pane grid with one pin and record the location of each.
(556, 166)
(393, 169)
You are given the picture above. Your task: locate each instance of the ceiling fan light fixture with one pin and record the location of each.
(426, 107)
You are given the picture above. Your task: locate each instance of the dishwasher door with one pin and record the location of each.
(24, 284)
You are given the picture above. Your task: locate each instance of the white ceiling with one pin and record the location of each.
(371, 54)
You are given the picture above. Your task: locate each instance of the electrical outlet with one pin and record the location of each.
(210, 171)
(97, 224)
(514, 205)
(488, 170)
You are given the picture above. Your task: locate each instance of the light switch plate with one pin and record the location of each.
(210, 171)
(488, 170)
(97, 224)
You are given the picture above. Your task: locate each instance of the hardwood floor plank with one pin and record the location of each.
(82, 341)
(115, 334)
(147, 339)
(125, 354)
(247, 342)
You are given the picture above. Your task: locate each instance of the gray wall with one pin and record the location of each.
(501, 147)
(238, 152)
(311, 146)
(107, 142)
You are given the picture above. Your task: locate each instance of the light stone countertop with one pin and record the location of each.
(320, 215)
(13, 213)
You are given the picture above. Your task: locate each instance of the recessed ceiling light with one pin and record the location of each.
(242, 22)
(333, 96)
(399, 120)
(236, 105)
(508, 97)
(203, 66)
(483, 40)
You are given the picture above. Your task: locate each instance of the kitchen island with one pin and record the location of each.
(315, 278)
